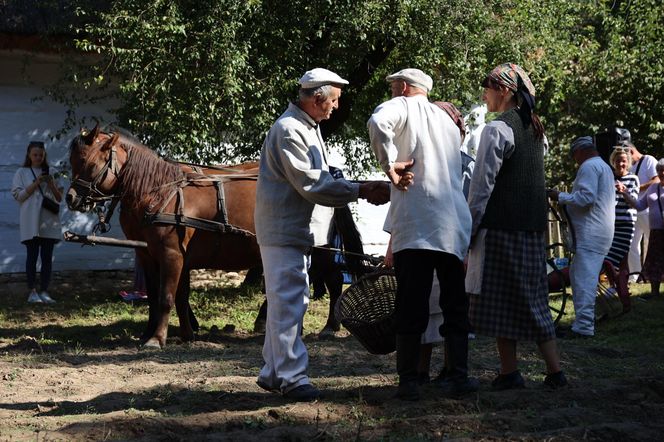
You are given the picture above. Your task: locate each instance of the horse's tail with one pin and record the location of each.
(351, 241)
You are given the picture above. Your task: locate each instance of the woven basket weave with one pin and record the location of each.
(367, 308)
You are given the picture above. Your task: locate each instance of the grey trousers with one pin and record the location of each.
(287, 290)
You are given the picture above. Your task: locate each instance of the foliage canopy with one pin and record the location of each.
(205, 80)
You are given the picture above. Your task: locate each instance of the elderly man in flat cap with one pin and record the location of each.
(430, 226)
(293, 178)
(590, 209)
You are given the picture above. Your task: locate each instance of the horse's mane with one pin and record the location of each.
(145, 175)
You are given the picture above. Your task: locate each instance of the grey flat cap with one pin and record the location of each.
(414, 77)
(585, 142)
(320, 77)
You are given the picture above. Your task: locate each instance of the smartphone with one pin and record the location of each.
(44, 170)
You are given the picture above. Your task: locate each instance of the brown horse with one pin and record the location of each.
(190, 217)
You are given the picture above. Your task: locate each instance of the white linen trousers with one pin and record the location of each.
(584, 274)
(641, 230)
(287, 286)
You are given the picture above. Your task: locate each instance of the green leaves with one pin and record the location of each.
(205, 80)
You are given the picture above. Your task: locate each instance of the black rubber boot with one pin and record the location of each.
(455, 381)
(408, 354)
(445, 371)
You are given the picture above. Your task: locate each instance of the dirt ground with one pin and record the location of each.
(207, 391)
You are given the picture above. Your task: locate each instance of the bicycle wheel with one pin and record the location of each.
(559, 290)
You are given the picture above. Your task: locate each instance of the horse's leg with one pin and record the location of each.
(151, 272)
(334, 281)
(171, 261)
(317, 270)
(261, 319)
(195, 326)
(254, 276)
(183, 308)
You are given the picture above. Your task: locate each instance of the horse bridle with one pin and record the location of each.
(92, 191)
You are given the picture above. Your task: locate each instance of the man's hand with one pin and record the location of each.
(375, 192)
(400, 174)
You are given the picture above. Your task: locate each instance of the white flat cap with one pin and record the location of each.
(414, 77)
(319, 77)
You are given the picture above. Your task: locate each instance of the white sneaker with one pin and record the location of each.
(33, 297)
(46, 298)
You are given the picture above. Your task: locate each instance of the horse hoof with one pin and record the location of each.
(326, 334)
(259, 327)
(151, 344)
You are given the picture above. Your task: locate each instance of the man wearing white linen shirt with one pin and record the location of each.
(430, 226)
(293, 178)
(590, 208)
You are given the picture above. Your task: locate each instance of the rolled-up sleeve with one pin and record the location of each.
(382, 127)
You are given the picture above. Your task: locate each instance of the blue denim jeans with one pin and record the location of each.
(39, 247)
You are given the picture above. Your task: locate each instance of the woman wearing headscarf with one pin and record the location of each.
(506, 276)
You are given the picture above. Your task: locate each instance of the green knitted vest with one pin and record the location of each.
(518, 200)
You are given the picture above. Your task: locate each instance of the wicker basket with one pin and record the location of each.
(367, 308)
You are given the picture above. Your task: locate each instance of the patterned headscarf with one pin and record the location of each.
(456, 116)
(514, 78)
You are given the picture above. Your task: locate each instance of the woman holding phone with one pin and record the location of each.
(40, 227)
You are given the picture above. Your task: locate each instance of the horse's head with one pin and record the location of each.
(96, 161)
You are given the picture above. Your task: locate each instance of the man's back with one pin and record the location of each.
(593, 223)
(433, 213)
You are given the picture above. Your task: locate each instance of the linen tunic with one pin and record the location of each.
(293, 178)
(433, 213)
(34, 220)
(591, 206)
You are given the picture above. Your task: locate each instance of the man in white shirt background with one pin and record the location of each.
(590, 209)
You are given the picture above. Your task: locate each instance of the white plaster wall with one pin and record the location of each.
(23, 119)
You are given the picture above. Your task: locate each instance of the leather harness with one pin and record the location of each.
(220, 224)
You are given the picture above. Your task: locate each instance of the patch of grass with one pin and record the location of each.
(230, 305)
(206, 389)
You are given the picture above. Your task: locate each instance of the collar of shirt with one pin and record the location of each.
(305, 117)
